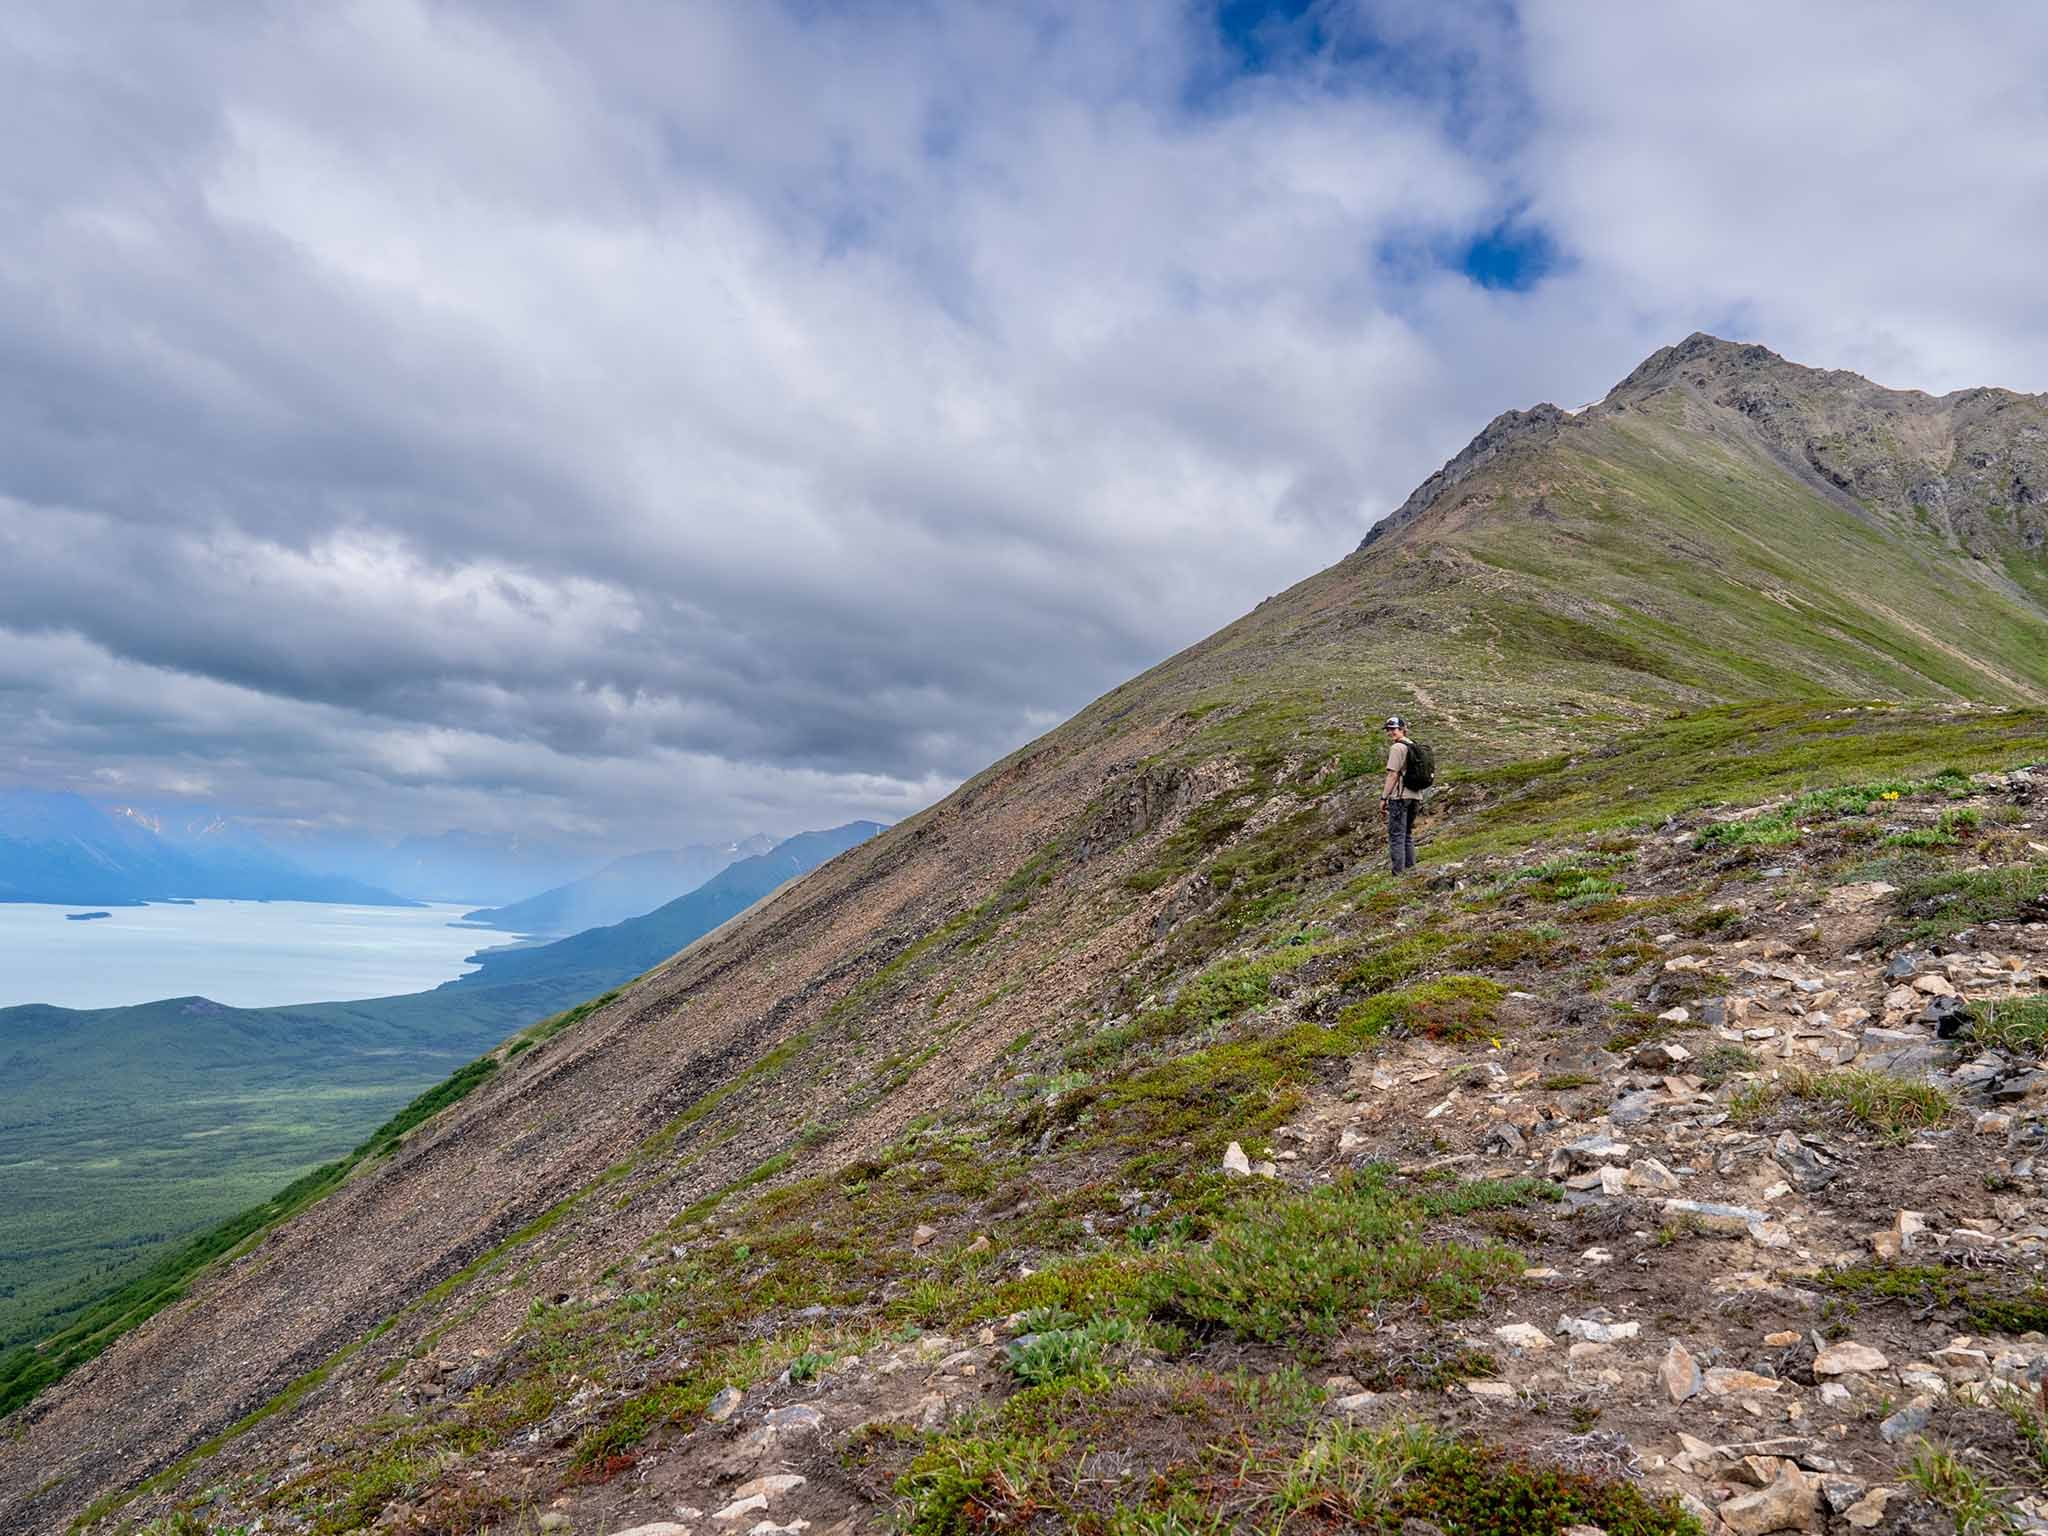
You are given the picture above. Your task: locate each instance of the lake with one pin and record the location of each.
(249, 954)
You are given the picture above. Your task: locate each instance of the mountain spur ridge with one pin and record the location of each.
(1113, 1148)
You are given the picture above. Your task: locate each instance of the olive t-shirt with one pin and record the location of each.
(1397, 765)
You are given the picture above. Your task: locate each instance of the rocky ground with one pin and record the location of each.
(1792, 1278)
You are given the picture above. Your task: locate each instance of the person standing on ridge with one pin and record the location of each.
(1408, 774)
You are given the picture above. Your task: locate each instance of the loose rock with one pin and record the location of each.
(1734, 1220)
(1595, 1332)
(1848, 1359)
(1679, 1373)
(1807, 1166)
(1909, 1420)
(1724, 1380)
(724, 1405)
(1867, 1513)
(771, 1486)
(1652, 1176)
(1790, 1503)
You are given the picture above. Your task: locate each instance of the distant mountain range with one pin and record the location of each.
(478, 869)
(65, 849)
(640, 943)
(62, 848)
(623, 888)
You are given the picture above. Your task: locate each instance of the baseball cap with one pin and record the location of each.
(1395, 723)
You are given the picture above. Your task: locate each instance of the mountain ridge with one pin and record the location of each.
(624, 888)
(984, 1070)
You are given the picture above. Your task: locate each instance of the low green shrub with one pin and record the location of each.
(1088, 1352)
(1776, 828)
(1286, 1265)
(1450, 1008)
(1718, 1063)
(1987, 1301)
(1945, 833)
(1476, 1490)
(1964, 1494)
(986, 1465)
(1240, 1089)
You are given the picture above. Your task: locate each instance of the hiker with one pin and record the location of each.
(1409, 772)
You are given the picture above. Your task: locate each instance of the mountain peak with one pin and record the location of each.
(1968, 469)
(1539, 423)
(1703, 354)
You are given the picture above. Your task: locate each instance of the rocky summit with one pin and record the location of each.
(1116, 1147)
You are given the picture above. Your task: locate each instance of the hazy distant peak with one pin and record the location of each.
(626, 887)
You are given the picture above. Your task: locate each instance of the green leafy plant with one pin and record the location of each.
(806, 1366)
(1080, 1354)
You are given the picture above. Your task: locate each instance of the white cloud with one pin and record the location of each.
(1855, 185)
(638, 413)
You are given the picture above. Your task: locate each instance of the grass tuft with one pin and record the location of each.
(1892, 1106)
(1941, 904)
(2018, 1026)
(1963, 1493)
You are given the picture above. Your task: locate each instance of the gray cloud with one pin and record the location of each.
(651, 422)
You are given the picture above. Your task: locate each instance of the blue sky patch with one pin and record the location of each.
(1266, 33)
(1511, 256)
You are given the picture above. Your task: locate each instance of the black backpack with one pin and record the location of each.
(1420, 770)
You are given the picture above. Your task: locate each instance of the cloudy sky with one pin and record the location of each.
(643, 422)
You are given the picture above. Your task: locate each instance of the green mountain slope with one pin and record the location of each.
(123, 1130)
(1702, 713)
(1670, 547)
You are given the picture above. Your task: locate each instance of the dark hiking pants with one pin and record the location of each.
(1401, 834)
